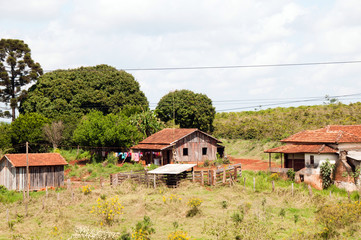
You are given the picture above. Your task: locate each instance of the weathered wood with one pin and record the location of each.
(202, 178)
(244, 183)
(193, 176)
(330, 193)
(254, 184)
(116, 179)
(349, 196)
(273, 186)
(214, 177)
(310, 190)
(235, 173)
(154, 181)
(224, 176)
(68, 184)
(46, 191)
(7, 215)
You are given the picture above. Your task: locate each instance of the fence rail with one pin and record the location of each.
(204, 177)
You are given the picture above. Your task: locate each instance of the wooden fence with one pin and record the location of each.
(204, 177)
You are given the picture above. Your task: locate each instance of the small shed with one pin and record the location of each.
(46, 170)
(173, 172)
(177, 145)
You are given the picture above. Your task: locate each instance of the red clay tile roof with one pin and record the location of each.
(36, 159)
(303, 148)
(323, 136)
(166, 138)
(353, 129)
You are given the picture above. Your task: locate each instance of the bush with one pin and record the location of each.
(143, 229)
(326, 169)
(291, 174)
(178, 235)
(194, 203)
(107, 209)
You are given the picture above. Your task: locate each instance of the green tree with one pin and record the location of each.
(17, 69)
(191, 110)
(5, 137)
(68, 95)
(112, 130)
(147, 123)
(29, 128)
(78, 91)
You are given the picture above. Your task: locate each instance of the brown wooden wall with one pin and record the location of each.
(195, 142)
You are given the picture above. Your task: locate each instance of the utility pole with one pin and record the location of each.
(27, 169)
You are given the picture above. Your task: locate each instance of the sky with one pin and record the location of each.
(143, 34)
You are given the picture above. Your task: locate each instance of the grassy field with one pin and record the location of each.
(226, 212)
(252, 149)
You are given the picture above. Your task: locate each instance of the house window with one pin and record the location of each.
(185, 151)
(312, 159)
(204, 151)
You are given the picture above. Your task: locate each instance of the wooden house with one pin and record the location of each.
(46, 170)
(177, 145)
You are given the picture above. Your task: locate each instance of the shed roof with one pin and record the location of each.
(354, 155)
(36, 159)
(166, 137)
(302, 148)
(172, 169)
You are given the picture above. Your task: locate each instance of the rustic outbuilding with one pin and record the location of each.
(177, 145)
(46, 170)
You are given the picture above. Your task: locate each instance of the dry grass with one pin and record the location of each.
(261, 211)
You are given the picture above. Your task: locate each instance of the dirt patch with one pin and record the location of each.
(254, 164)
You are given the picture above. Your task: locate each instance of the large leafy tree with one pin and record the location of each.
(28, 128)
(5, 137)
(17, 69)
(78, 91)
(112, 130)
(190, 110)
(68, 95)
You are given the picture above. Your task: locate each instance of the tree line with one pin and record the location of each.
(96, 106)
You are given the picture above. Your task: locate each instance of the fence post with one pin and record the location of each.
(273, 186)
(46, 191)
(214, 177)
(58, 197)
(23, 195)
(101, 182)
(68, 183)
(193, 176)
(330, 193)
(244, 183)
(155, 181)
(254, 184)
(310, 190)
(116, 179)
(224, 175)
(202, 178)
(7, 215)
(235, 172)
(349, 196)
(146, 178)
(292, 190)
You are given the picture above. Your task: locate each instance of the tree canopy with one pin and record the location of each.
(112, 130)
(75, 92)
(28, 128)
(191, 110)
(17, 69)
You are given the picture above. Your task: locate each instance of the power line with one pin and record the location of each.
(234, 66)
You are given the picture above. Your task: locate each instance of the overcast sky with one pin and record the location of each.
(66, 34)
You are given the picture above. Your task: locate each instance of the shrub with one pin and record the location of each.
(172, 198)
(86, 189)
(178, 235)
(275, 176)
(194, 203)
(143, 229)
(291, 174)
(326, 172)
(107, 209)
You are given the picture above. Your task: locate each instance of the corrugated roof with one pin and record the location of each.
(157, 147)
(172, 169)
(36, 159)
(353, 129)
(302, 148)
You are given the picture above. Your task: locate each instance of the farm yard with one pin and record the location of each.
(239, 211)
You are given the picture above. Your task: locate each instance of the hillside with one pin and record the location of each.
(278, 123)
